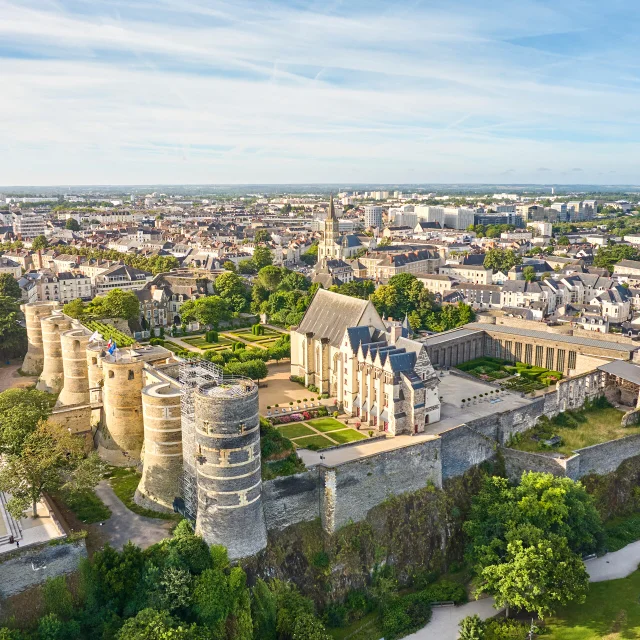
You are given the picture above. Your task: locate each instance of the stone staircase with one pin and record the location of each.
(13, 526)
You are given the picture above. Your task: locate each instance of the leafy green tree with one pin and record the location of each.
(57, 597)
(356, 289)
(13, 336)
(39, 243)
(539, 576)
(115, 304)
(209, 311)
(264, 611)
(150, 624)
(72, 225)
(471, 628)
(9, 287)
(254, 369)
(229, 266)
(270, 277)
(75, 309)
(262, 235)
(607, 257)
(262, 258)
(227, 285)
(501, 259)
(21, 410)
(293, 281)
(50, 458)
(247, 267)
(310, 256)
(563, 241)
(529, 273)
(386, 299)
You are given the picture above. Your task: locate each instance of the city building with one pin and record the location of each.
(372, 217)
(27, 226)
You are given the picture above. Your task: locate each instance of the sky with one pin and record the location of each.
(409, 91)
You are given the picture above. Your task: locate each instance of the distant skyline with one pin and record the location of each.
(216, 92)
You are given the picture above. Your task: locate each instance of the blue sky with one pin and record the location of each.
(228, 91)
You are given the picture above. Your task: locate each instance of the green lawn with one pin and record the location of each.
(585, 428)
(611, 611)
(325, 424)
(346, 435)
(124, 483)
(315, 443)
(295, 430)
(367, 628)
(86, 506)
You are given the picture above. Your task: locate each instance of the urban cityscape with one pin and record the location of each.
(319, 321)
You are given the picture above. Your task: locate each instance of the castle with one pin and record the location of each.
(195, 433)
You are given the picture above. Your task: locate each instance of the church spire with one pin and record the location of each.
(332, 211)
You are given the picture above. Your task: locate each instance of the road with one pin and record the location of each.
(445, 620)
(11, 379)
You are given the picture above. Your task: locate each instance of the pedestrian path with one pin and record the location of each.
(445, 620)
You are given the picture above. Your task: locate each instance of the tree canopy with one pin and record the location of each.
(501, 259)
(115, 304)
(72, 225)
(9, 287)
(209, 311)
(21, 410)
(607, 257)
(13, 336)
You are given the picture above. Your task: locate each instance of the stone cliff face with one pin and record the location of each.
(419, 532)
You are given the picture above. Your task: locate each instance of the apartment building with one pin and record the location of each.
(27, 226)
(121, 277)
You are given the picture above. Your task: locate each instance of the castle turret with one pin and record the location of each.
(95, 353)
(160, 482)
(34, 312)
(52, 377)
(121, 434)
(227, 434)
(74, 362)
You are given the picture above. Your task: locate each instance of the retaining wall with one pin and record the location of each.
(291, 499)
(33, 565)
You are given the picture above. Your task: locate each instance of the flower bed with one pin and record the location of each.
(299, 416)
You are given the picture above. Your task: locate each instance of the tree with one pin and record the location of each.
(471, 628)
(13, 336)
(529, 273)
(254, 369)
(75, 309)
(39, 243)
(264, 611)
(607, 257)
(9, 287)
(563, 241)
(501, 259)
(49, 459)
(72, 225)
(262, 235)
(117, 304)
(294, 281)
(209, 311)
(310, 256)
(150, 624)
(270, 277)
(539, 577)
(246, 267)
(21, 410)
(357, 288)
(262, 257)
(229, 266)
(230, 284)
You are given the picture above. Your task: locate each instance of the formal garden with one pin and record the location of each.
(513, 376)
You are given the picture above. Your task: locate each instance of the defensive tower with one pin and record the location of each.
(121, 435)
(34, 312)
(228, 475)
(95, 353)
(74, 362)
(52, 377)
(160, 482)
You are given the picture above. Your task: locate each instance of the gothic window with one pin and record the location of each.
(550, 354)
(561, 355)
(539, 351)
(572, 360)
(528, 350)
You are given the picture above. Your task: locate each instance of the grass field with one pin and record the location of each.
(326, 424)
(593, 427)
(315, 443)
(295, 430)
(201, 343)
(86, 506)
(346, 435)
(611, 611)
(124, 483)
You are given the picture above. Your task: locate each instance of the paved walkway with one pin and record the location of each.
(11, 379)
(445, 620)
(124, 525)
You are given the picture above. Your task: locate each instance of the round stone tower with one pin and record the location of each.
(227, 434)
(160, 482)
(74, 362)
(95, 352)
(52, 377)
(33, 313)
(121, 435)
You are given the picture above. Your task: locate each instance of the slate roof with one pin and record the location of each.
(330, 314)
(624, 370)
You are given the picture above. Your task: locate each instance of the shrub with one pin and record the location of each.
(472, 628)
(445, 591)
(404, 615)
(211, 336)
(157, 341)
(335, 414)
(298, 379)
(322, 412)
